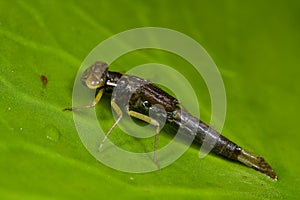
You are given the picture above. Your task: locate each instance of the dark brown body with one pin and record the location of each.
(140, 95)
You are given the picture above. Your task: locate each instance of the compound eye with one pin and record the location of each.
(95, 76)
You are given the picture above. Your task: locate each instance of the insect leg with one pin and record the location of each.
(95, 101)
(152, 121)
(119, 112)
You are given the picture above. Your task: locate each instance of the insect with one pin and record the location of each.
(141, 94)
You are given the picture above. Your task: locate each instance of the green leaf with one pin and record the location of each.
(255, 45)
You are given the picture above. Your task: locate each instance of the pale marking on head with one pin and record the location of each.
(95, 76)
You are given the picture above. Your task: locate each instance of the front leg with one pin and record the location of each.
(93, 104)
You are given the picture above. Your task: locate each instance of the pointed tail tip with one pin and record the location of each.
(258, 163)
(265, 168)
(268, 172)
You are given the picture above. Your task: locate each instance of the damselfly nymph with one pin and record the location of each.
(143, 94)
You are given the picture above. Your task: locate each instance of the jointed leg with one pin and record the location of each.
(149, 120)
(120, 115)
(95, 101)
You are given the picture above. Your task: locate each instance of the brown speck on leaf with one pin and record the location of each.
(44, 80)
